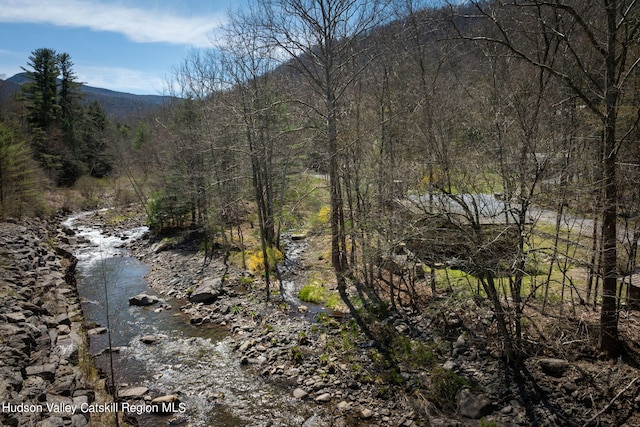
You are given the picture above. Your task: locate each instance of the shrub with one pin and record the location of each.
(445, 385)
(167, 210)
(296, 355)
(255, 259)
(321, 218)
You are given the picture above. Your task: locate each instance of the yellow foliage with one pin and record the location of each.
(255, 259)
(324, 215)
(427, 181)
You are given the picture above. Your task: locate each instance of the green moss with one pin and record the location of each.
(318, 294)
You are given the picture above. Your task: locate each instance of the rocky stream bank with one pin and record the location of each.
(329, 367)
(44, 366)
(322, 361)
(326, 364)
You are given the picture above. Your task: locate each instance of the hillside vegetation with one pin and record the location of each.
(443, 158)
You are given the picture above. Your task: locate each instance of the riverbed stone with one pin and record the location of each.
(64, 386)
(67, 346)
(63, 319)
(323, 398)
(16, 317)
(79, 420)
(366, 413)
(554, 367)
(207, 292)
(97, 331)
(133, 392)
(46, 371)
(299, 393)
(32, 387)
(51, 422)
(474, 405)
(143, 300)
(167, 398)
(150, 339)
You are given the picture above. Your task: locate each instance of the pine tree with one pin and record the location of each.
(19, 188)
(97, 157)
(58, 121)
(70, 110)
(41, 91)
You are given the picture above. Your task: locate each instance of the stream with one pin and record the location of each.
(193, 362)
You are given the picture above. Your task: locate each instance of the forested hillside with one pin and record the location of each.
(483, 155)
(119, 106)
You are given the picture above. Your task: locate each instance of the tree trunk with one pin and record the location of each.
(609, 342)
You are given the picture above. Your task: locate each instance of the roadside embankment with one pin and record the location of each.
(46, 376)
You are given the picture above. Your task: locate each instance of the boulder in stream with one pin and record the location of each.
(143, 300)
(150, 339)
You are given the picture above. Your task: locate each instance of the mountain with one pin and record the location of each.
(118, 105)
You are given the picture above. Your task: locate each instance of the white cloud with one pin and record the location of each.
(140, 25)
(122, 80)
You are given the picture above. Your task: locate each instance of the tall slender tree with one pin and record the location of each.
(596, 39)
(41, 91)
(322, 38)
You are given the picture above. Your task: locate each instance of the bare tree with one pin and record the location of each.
(596, 40)
(321, 38)
(256, 103)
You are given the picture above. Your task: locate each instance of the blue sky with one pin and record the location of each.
(124, 45)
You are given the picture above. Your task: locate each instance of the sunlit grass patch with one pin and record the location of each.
(315, 293)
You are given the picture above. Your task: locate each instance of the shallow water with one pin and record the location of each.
(192, 362)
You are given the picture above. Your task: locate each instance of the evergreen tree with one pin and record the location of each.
(66, 136)
(70, 110)
(19, 188)
(41, 91)
(97, 158)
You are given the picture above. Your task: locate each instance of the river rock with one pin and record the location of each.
(67, 347)
(150, 339)
(67, 231)
(63, 319)
(143, 300)
(324, 397)
(64, 386)
(554, 367)
(207, 292)
(450, 365)
(51, 422)
(167, 404)
(79, 420)
(161, 246)
(299, 393)
(46, 371)
(168, 398)
(366, 413)
(316, 421)
(133, 393)
(16, 317)
(473, 405)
